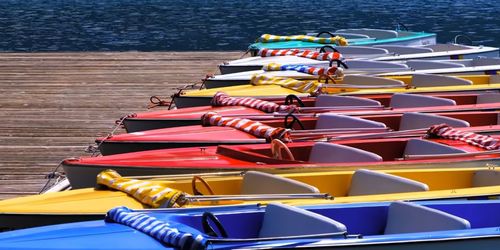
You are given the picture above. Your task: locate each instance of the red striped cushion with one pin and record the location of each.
(222, 99)
(252, 127)
(447, 132)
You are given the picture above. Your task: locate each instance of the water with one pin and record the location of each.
(155, 25)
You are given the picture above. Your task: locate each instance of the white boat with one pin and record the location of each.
(378, 53)
(358, 36)
(477, 66)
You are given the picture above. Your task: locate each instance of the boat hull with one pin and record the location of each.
(84, 175)
(412, 40)
(99, 234)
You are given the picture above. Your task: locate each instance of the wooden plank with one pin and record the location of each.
(54, 105)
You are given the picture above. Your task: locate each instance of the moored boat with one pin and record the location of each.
(248, 107)
(249, 187)
(219, 130)
(452, 149)
(358, 37)
(354, 85)
(377, 53)
(474, 66)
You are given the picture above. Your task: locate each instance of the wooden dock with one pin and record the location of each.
(53, 105)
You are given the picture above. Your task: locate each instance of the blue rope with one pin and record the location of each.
(155, 228)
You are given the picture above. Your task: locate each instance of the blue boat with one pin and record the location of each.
(356, 37)
(456, 224)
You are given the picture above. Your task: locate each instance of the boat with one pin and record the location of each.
(353, 85)
(376, 53)
(251, 108)
(410, 67)
(352, 152)
(301, 71)
(240, 188)
(217, 129)
(342, 37)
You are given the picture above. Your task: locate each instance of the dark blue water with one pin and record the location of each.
(155, 25)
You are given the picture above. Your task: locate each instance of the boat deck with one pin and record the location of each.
(54, 105)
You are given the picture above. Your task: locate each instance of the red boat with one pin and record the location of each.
(325, 125)
(343, 154)
(380, 103)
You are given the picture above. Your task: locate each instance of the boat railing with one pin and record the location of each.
(187, 176)
(257, 197)
(444, 156)
(344, 235)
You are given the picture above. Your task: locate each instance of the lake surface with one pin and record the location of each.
(123, 25)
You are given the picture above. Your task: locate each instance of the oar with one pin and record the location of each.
(443, 156)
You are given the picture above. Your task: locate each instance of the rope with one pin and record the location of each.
(155, 101)
(52, 175)
(95, 149)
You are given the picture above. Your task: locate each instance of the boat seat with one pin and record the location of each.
(255, 182)
(485, 61)
(486, 177)
(283, 220)
(368, 182)
(342, 101)
(375, 33)
(429, 80)
(331, 121)
(426, 147)
(360, 50)
(369, 64)
(370, 80)
(488, 98)
(405, 217)
(426, 64)
(324, 152)
(413, 120)
(403, 50)
(401, 100)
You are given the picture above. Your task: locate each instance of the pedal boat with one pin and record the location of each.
(376, 53)
(397, 225)
(475, 66)
(350, 105)
(353, 85)
(380, 153)
(307, 127)
(305, 188)
(358, 37)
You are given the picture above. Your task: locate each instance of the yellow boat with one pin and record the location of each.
(349, 85)
(251, 187)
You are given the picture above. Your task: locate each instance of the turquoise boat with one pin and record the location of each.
(357, 37)
(457, 224)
